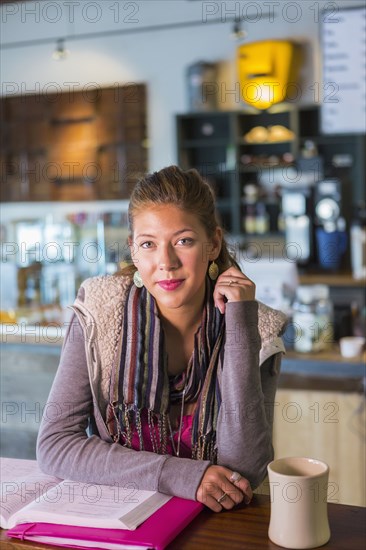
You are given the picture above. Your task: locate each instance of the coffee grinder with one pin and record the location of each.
(328, 201)
(331, 236)
(297, 207)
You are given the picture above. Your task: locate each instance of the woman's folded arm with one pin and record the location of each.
(244, 431)
(65, 450)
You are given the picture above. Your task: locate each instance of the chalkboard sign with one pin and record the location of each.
(343, 35)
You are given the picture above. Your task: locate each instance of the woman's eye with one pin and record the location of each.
(147, 244)
(185, 241)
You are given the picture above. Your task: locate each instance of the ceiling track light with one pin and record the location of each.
(60, 52)
(238, 33)
(141, 30)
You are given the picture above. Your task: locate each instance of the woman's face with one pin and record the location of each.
(171, 250)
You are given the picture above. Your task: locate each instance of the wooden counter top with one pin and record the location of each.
(324, 371)
(333, 356)
(244, 527)
(331, 279)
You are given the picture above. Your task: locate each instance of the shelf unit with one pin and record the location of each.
(213, 143)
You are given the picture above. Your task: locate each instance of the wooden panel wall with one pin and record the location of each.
(74, 145)
(329, 426)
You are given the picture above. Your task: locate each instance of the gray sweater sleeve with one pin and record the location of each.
(244, 430)
(64, 449)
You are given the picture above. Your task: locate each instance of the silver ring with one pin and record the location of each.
(235, 477)
(223, 496)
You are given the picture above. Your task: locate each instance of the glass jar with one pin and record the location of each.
(313, 319)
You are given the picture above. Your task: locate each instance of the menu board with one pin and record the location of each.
(343, 107)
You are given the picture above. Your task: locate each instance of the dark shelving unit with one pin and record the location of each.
(213, 143)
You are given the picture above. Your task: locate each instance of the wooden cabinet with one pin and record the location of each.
(74, 145)
(329, 426)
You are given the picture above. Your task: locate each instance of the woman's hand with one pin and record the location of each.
(234, 286)
(216, 484)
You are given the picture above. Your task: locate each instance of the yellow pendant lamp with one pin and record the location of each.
(267, 69)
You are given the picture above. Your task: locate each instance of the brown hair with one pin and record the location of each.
(186, 190)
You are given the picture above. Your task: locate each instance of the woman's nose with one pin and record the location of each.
(168, 259)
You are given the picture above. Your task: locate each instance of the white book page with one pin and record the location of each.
(21, 482)
(91, 505)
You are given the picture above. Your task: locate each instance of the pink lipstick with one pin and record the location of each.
(170, 284)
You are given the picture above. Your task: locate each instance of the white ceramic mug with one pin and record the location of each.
(351, 346)
(298, 491)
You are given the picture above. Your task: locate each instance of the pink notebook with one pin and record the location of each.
(155, 533)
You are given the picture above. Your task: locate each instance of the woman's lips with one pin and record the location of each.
(170, 284)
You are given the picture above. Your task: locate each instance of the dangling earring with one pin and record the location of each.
(137, 280)
(213, 271)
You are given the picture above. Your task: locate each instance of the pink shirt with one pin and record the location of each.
(185, 440)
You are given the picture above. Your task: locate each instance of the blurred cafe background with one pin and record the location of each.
(267, 100)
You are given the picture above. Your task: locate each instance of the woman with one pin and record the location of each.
(172, 364)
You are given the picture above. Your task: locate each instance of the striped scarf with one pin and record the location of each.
(141, 381)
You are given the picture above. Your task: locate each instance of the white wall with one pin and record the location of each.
(159, 58)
